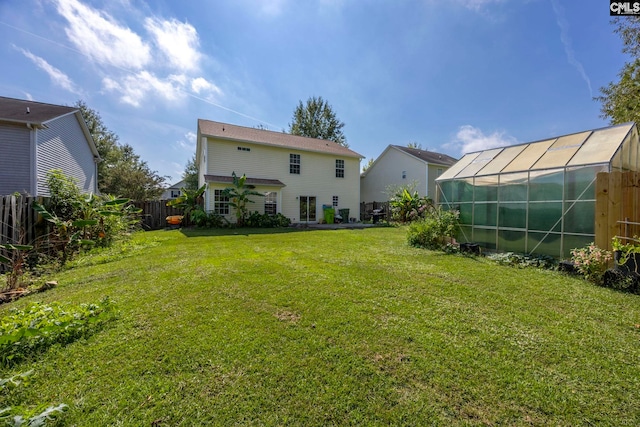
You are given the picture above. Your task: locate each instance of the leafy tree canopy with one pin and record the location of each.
(190, 174)
(317, 119)
(621, 100)
(121, 172)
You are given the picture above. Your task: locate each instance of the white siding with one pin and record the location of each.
(387, 171)
(15, 159)
(63, 145)
(317, 177)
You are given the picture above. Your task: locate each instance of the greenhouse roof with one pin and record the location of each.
(579, 149)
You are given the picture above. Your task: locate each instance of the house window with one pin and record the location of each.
(439, 172)
(270, 202)
(244, 149)
(294, 163)
(335, 201)
(404, 174)
(339, 168)
(175, 193)
(220, 203)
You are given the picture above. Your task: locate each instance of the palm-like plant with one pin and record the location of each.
(189, 200)
(239, 197)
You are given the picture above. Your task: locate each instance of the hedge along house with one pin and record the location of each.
(539, 197)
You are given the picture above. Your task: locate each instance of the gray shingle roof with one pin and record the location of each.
(23, 111)
(267, 137)
(428, 156)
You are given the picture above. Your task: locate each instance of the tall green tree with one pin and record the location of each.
(190, 174)
(621, 100)
(316, 119)
(121, 172)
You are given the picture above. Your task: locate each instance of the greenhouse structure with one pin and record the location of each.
(538, 197)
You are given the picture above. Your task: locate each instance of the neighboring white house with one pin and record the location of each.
(37, 137)
(297, 175)
(173, 191)
(398, 166)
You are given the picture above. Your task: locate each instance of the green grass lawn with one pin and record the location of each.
(348, 327)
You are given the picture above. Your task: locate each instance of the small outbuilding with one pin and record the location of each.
(546, 197)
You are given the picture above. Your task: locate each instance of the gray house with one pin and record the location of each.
(400, 166)
(37, 137)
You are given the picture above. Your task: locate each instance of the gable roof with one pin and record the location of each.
(23, 111)
(428, 156)
(276, 139)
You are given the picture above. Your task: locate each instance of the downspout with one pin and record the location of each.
(33, 152)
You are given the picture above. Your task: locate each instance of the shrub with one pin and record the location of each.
(408, 207)
(591, 262)
(433, 231)
(204, 219)
(259, 220)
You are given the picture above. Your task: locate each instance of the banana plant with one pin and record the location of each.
(239, 197)
(189, 200)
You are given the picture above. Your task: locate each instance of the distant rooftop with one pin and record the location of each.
(428, 156)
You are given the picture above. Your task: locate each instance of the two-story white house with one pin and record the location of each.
(297, 175)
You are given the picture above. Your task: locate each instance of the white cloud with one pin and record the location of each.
(568, 46)
(478, 4)
(99, 37)
(188, 142)
(200, 85)
(178, 41)
(133, 89)
(469, 139)
(57, 77)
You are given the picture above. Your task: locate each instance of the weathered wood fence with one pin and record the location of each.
(367, 208)
(617, 206)
(18, 219)
(155, 212)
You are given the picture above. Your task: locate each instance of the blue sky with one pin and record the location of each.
(455, 76)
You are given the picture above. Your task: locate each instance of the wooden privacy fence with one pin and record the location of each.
(617, 206)
(18, 219)
(155, 212)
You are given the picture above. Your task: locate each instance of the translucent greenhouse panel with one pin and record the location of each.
(529, 156)
(464, 234)
(546, 185)
(579, 217)
(466, 213)
(544, 244)
(616, 162)
(545, 216)
(462, 190)
(513, 187)
(486, 188)
(580, 183)
(501, 160)
(561, 151)
(458, 166)
(626, 154)
(479, 162)
(511, 241)
(485, 214)
(600, 146)
(445, 192)
(485, 237)
(512, 215)
(572, 241)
